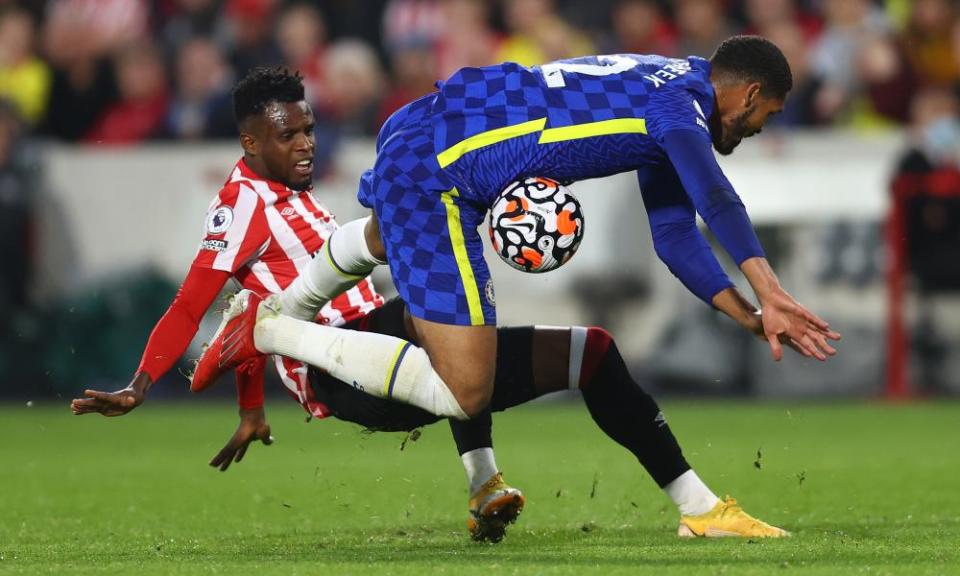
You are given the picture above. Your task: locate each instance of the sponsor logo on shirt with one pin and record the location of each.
(219, 220)
(214, 245)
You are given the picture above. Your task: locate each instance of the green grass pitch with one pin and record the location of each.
(866, 489)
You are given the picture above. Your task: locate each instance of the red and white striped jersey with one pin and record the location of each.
(265, 234)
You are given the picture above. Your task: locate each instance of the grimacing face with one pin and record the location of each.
(280, 143)
(745, 122)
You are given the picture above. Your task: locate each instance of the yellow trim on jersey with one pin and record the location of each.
(463, 259)
(547, 135)
(590, 129)
(453, 153)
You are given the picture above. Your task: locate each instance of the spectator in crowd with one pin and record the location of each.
(851, 28)
(765, 14)
(702, 25)
(24, 78)
(799, 109)
(466, 38)
(640, 27)
(888, 79)
(15, 210)
(411, 22)
(201, 106)
(302, 38)
(190, 19)
(142, 106)
(351, 97)
(934, 131)
(537, 34)
(79, 36)
(251, 33)
(928, 42)
(414, 73)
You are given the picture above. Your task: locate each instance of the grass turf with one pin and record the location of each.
(866, 489)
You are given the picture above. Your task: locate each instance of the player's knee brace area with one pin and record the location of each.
(605, 377)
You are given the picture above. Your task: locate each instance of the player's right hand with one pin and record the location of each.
(107, 403)
(786, 321)
(253, 426)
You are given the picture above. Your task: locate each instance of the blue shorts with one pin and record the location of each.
(430, 233)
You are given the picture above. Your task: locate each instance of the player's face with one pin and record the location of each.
(285, 143)
(744, 121)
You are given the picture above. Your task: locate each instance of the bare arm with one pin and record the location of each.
(785, 319)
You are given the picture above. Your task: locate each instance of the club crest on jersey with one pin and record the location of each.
(219, 220)
(488, 292)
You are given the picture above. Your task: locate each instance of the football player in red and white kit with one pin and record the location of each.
(261, 230)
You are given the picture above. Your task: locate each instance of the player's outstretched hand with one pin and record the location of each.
(253, 426)
(107, 403)
(786, 321)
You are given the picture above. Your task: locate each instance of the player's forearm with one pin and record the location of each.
(141, 383)
(732, 303)
(168, 341)
(761, 277)
(250, 384)
(178, 326)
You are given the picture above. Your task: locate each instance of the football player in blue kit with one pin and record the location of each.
(443, 159)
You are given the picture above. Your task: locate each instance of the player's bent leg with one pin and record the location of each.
(588, 359)
(345, 259)
(464, 357)
(378, 364)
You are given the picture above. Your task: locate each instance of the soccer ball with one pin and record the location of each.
(536, 225)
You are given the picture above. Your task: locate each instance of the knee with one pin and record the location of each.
(474, 402)
(371, 233)
(598, 340)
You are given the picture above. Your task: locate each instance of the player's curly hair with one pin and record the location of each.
(261, 86)
(755, 59)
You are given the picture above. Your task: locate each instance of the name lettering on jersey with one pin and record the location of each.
(671, 71)
(214, 245)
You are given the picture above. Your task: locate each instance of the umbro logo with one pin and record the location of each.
(660, 420)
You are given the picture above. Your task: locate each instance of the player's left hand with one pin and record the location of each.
(253, 426)
(107, 403)
(786, 321)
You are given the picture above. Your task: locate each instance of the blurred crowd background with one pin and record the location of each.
(126, 71)
(100, 87)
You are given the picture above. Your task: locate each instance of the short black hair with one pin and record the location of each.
(755, 59)
(261, 86)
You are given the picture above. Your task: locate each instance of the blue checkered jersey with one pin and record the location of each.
(596, 116)
(567, 120)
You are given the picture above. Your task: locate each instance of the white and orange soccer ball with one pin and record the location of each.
(536, 224)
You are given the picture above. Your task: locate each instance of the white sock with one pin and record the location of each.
(380, 365)
(341, 264)
(479, 465)
(691, 495)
